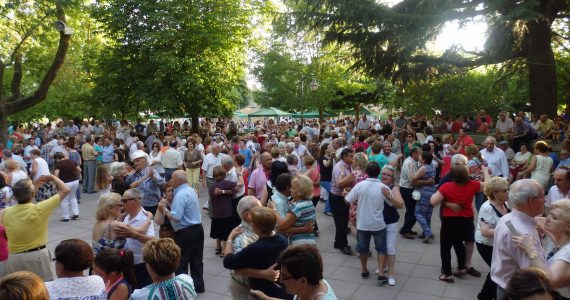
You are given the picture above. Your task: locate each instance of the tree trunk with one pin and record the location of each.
(541, 69)
(321, 113)
(3, 126)
(195, 121)
(356, 114)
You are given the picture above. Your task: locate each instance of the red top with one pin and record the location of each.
(3, 244)
(456, 126)
(460, 194)
(467, 140)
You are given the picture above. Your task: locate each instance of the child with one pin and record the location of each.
(117, 269)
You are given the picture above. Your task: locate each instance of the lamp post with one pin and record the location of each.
(313, 86)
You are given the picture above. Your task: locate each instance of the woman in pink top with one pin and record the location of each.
(314, 174)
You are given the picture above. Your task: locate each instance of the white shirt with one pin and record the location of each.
(504, 126)
(554, 194)
(409, 165)
(210, 162)
(135, 245)
(42, 168)
(28, 152)
(89, 287)
(171, 159)
(497, 162)
(233, 177)
(369, 212)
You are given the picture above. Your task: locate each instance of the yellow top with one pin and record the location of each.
(88, 152)
(27, 224)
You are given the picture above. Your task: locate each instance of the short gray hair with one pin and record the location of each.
(115, 168)
(135, 193)
(523, 190)
(490, 139)
(245, 204)
(458, 158)
(227, 161)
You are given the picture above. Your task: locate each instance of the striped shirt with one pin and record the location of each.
(305, 213)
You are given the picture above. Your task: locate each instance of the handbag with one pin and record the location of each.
(416, 195)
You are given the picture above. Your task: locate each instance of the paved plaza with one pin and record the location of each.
(417, 267)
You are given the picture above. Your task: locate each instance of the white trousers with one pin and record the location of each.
(71, 198)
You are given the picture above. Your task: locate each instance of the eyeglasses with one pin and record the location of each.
(125, 200)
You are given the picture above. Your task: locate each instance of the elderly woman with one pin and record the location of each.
(457, 219)
(557, 227)
(117, 170)
(40, 168)
(193, 162)
(14, 172)
(162, 257)
(489, 214)
(540, 165)
(519, 162)
(302, 275)
(69, 172)
(302, 213)
(260, 254)
(156, 158)
(72, 258)
(103, 235)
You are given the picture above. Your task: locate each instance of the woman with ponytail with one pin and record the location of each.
(117, 269)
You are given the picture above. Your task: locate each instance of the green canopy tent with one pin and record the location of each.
(239, 115)
(362, 111)
(269, 112)
(314, 114)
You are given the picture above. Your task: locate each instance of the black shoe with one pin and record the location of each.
(75, 217)
(365, 274)
(64, 220)
(346, 250)
(382, 279)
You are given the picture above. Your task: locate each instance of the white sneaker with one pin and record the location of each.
(391, 281)
(377, 272)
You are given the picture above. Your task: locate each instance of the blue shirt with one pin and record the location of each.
(248, 154)
(185, 207)
(149, 188)
(564, 162)
(108, 154)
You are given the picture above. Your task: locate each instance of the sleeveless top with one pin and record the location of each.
(105, 241)
(42, 169)
(116, 284)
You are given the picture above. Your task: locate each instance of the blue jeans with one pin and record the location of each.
(327, 186)
(363, 241)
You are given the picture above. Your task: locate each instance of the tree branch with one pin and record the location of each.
(2, 67)
(42, 90)
(26, 36)
(17, 77)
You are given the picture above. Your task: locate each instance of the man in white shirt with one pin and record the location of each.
(171, 160)
(504, 127)
(495, 158)
(301, 151)
(28, 152)
(527, 196)
(137, 217)
(560, 189)
(364, 123)
(370, 218)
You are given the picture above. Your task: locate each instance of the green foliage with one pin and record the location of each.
(174, 57)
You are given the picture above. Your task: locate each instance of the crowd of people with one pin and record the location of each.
(263, 182)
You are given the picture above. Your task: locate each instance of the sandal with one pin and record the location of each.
(460, 273)
(219, 251)
(446, 278)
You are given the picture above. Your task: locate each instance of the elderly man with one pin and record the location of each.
(146, 180)
(409, 168)
(564, 159)
(259, 176)
(211, 160)
(495, 158)
(186, 221)
(109, 154)
(341, 178)
(301, 151)
(136, 217)
(504, 127)
(171, 160)
(509, 153)
(364, 123)
(544, 125)
(527, 196)
(89, 155)
(8, 155)
(560, 189)
(523, 133)
(26, 226)
(71, 130)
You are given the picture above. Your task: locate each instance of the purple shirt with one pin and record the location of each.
(507, 256)
(257, 181)
(340, 169)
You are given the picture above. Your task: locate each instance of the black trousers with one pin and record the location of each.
(489, 287)
(340, 216)
(315, 201)
(191, 243)
(451, 235)
(410, 203)
(141, 273)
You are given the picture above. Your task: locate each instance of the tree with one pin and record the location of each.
(30, 25)
(174, 57)
(391, 41)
